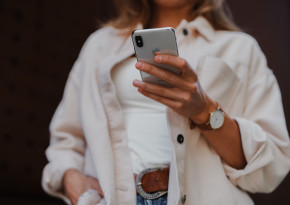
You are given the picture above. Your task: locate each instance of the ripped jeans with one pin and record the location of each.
(159, 201)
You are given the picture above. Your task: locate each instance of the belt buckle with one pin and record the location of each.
(140, 190)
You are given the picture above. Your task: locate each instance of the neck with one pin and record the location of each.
(169, 17)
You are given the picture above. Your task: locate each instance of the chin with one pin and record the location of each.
(172, 3)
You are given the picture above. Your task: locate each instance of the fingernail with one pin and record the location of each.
(158, 58)
(139, 65)
(137, 82)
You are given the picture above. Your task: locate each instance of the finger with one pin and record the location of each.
(94, 183)
(99, 189)
(165, 101)
(164, 75)
(181, 64)
(170, 93)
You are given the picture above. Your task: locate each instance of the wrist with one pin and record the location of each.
(69, 174)
(203, 117)
(71, 171)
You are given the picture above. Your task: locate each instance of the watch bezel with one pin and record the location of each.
(208, 125)
(218, 112)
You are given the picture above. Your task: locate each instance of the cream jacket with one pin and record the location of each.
(88, 133)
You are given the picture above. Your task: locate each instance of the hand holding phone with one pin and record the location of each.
(183, 93)
(149, 41)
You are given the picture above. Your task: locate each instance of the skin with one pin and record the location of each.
(170, 13)
(186, 98)
(75, 183)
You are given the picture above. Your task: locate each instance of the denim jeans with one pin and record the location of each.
(159, 201)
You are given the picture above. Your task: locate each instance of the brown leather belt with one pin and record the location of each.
(152, 181)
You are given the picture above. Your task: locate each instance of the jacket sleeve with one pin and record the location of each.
(264, 135)
(67, 145)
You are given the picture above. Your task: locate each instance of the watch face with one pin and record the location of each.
(216, 119)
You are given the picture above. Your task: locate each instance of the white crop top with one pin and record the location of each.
(145, 120)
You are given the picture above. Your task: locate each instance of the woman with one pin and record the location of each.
(107, 134)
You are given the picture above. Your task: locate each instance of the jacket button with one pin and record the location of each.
(180, 138)
(183, 199)
(185, 32)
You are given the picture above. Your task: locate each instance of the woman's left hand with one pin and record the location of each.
(186, 97)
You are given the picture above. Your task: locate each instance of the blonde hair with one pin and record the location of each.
(132, 12)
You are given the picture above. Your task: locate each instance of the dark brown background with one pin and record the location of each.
(40, 40)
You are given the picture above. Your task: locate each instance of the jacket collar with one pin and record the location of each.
(199, 25)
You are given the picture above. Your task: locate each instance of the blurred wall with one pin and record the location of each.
(39, 42)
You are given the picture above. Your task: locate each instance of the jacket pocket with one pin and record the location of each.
(221, 81)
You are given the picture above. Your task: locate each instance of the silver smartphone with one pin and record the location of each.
(148, 41)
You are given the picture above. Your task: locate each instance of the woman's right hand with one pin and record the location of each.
(75, 184)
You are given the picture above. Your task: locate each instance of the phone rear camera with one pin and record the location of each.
(139, 41)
